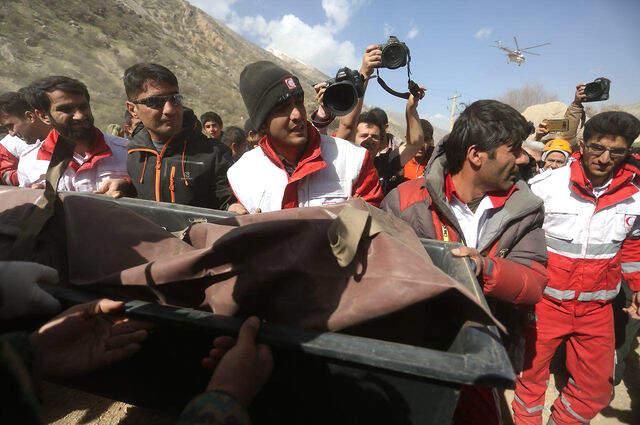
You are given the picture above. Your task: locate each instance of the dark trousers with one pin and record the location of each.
(626, 331)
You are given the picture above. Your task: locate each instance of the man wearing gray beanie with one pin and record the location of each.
(294, 165)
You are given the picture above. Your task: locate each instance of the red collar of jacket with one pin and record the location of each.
(98, 151)
(498, 199)
(620, 188)
(311, 160)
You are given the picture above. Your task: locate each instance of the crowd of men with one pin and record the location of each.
(550, 224)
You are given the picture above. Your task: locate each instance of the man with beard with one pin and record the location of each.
(99, 160)
(390, 160)
(294, 165)
(472, 195)
(169, 158)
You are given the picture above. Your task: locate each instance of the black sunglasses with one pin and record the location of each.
(158, 102)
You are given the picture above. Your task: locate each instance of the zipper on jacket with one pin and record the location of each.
(158, 167)
(172, 184)
(445, 233)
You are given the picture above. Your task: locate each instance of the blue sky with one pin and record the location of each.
(450, 43)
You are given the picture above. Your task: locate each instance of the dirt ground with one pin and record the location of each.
(66, 407)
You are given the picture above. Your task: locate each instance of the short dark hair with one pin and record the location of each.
(235, 135)
(487, 124)
(211, 116)
(383, 119)
(427, 129)
(612, 123)
(370, 119)
(13, 103)
(136, 76)
(36, 93)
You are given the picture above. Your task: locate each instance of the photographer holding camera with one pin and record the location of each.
(294, 165)
(596, 91)
(340, 100)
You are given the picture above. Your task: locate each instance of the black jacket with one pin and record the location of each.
(190, 170)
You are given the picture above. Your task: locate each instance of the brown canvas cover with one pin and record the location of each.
(323, 268)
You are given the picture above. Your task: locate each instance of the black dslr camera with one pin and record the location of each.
(597, 90)
(395, 54)
(343, 91)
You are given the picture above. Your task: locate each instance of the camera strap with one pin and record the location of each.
(412, 85)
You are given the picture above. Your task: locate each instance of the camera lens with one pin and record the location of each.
(394, 56)
(593, 90)
(340, 98)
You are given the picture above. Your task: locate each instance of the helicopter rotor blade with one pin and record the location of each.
(516, 40)
(533, 47)
(531, 53)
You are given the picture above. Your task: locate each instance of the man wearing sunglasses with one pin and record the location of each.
(170, 160)
(593, 241)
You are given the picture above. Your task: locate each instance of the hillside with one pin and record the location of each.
(95, 41)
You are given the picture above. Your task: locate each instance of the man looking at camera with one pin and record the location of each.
(170, 160)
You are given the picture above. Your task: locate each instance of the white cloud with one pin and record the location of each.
(338, 13)
(439, 120)
(483, 33)
(413, 32)
(316, 45)
(219, 9)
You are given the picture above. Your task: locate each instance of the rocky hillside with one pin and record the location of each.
(96, 40)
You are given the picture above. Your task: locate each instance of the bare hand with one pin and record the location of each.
(541, 131)
(473, 254)
(238, 208)
(580, 96)
(634, 309)
(86, 337)
(40, 185)
(116, 188)
(412, 102)
(320, 88)
(371, 60)
(241, 367)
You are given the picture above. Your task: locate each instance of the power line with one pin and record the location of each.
(454, 107)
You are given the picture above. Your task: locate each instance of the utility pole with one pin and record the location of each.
(454, 107)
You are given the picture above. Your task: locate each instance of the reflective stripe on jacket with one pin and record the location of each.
(592, 243)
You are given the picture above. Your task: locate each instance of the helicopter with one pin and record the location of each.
(517, 55)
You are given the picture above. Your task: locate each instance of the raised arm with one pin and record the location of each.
(371, 60)
(415, 135)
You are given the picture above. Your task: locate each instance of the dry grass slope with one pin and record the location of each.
(95, 41)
